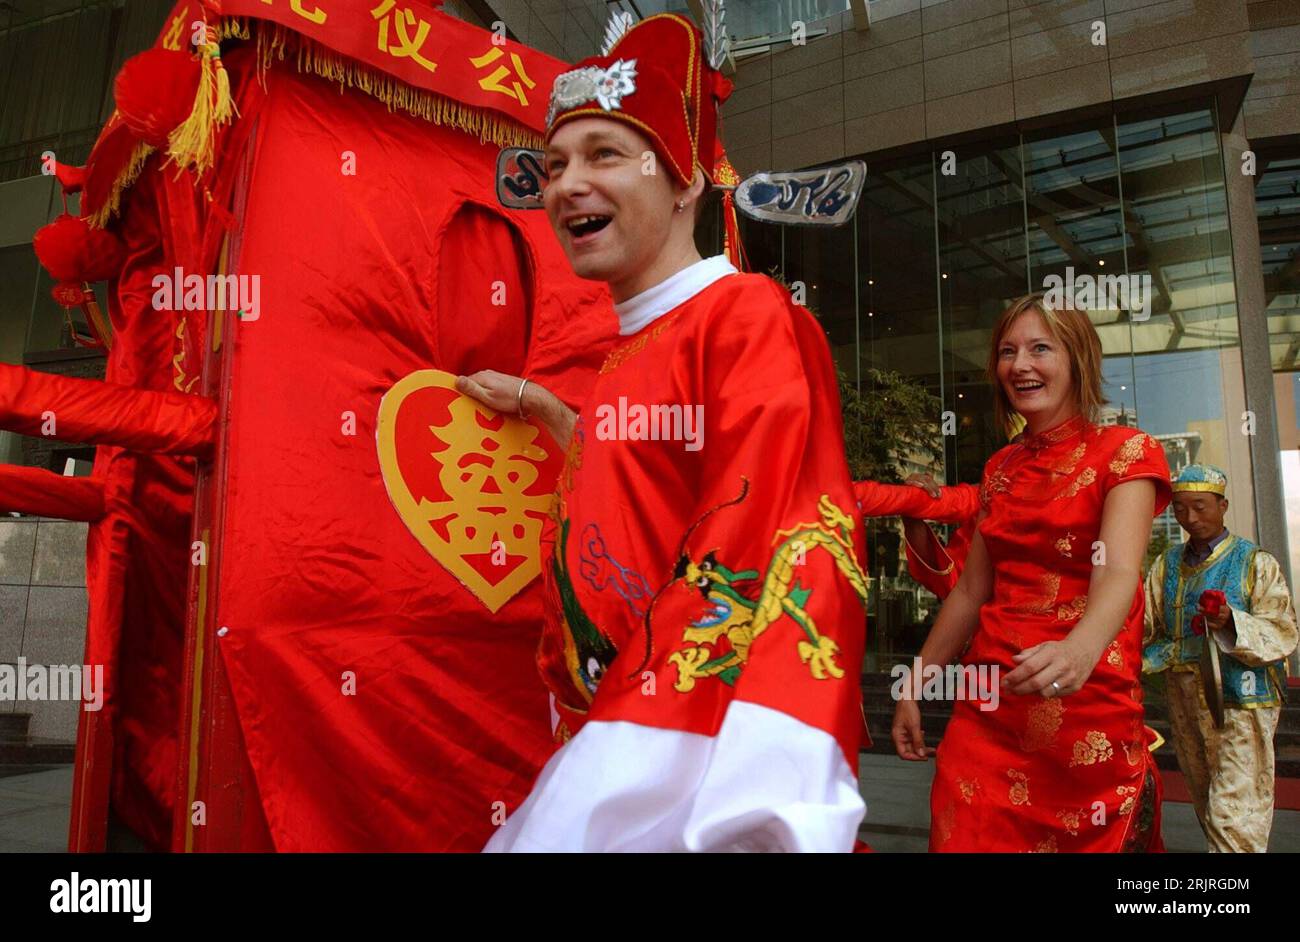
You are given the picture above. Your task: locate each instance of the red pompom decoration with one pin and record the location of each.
(74, 252)
(1212, 601)
(155, 93)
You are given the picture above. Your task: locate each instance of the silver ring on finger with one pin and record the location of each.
(1056, 689)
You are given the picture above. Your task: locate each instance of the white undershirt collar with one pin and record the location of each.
(644, 308)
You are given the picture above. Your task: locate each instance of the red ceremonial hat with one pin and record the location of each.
(658, 79)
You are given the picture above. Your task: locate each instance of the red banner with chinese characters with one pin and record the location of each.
(409, 40)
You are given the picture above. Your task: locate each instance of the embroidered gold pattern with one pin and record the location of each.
(1133, 751)
(995, 483)
(1059, 434)
(1086, 477)
(1019, 793)
(620, 355)
(1046, 847)
(1063, 545)
(1071, 460)
(1129, 452)
(946, 817)
(1042, 724)
(1093, 748)
(1129, 794)
(1071, 820)
(968, 789)
(1072, 611)
(1114, 656)
(1045, 604)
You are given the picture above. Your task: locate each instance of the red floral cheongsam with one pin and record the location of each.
(1052, 774)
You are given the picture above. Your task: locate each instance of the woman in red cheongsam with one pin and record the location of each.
(1050, 599)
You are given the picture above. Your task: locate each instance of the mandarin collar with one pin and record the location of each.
(639, 311)
(1061, 432)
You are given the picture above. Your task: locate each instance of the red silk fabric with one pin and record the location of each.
(104, 413)
(932, 565)
(46, 494)
(635, 515)
(1052, 774)
(366, 278)
(953, 505)
(138, 555)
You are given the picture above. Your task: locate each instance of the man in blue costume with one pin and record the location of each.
(1223, 586)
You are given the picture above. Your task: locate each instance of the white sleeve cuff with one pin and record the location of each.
(765, 782)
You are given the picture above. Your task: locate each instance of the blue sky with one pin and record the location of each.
(1168, 389)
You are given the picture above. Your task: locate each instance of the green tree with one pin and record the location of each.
(894, 420)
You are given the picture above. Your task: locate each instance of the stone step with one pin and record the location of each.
(13, 727)
(35, 755)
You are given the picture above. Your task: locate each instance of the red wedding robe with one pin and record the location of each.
(933, 565)
(1052, 774)
(705, 628)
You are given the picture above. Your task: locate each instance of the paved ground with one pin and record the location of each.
(34, 811)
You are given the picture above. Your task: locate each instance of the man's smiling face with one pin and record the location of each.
(611, 215)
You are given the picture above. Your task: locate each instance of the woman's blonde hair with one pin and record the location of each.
(1068, 326)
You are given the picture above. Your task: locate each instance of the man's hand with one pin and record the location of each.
(1219, 622)
(499, 391)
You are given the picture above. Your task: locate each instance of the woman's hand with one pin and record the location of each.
(499, 391)
(908, 737)
(925, 482)
(1068, 662)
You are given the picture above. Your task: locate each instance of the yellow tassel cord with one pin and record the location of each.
(273, 44)
(130, 173)
(193, 143)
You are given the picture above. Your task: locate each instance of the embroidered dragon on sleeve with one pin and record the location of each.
(741, 605)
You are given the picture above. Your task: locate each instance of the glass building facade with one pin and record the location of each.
(1277, 204)
(944, 238)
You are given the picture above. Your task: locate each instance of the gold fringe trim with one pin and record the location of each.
(125, 180)
(394, 93)
(233, 27)
(193, 144)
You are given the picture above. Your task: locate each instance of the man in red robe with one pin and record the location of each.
(705, 622)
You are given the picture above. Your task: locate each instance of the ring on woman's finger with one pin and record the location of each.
(1056, 689)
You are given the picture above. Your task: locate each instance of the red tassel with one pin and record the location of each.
(72, 179)
(731, 244)
(73, 252)
(155, 91)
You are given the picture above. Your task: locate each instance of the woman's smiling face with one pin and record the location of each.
(1034, 370)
